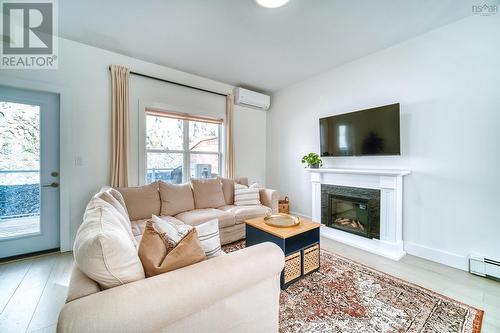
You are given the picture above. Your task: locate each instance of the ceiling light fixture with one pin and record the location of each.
(271, 3)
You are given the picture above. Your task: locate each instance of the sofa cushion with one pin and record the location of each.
(228, 188)
(103, 249)
(141, 201)
(116, 200)
(139, 225)
(245, 196)
(207, 193)
(241, 180)
(121, 211)
(199, 216)
(243, 213)
(232, 234)
(80, 285)
(175, 198)
(159, 254)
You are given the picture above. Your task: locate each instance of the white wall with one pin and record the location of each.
(83, 81)
(250, 143)
(447, 82)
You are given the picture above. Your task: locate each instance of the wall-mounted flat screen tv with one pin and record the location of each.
(362, 133)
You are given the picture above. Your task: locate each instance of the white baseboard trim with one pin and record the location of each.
(439, 256)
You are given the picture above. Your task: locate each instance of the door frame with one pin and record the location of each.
(65, 155)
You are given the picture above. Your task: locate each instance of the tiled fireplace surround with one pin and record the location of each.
(390, 185)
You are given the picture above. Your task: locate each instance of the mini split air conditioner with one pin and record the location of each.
(485, 267)
(250, 98)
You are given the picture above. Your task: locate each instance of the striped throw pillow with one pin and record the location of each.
(208, 234)
(174, 232)
(246, 196)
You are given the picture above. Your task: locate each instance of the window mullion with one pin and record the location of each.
(186, 159)
(219, 151)
(194, 152)
(162, 151)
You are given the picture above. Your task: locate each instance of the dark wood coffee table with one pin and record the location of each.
(300, 244)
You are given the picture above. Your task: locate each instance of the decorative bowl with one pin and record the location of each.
(281, 220)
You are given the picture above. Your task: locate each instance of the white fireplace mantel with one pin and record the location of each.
(390, 184)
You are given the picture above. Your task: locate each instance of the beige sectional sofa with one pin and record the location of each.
(236, 292)
(182, 205)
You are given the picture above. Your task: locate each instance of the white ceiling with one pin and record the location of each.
(243, 44)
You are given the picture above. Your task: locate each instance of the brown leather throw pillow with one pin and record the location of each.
(159, 254)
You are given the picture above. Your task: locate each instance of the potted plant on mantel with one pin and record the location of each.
(312, 160)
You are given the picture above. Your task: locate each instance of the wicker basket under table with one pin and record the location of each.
(299, 243)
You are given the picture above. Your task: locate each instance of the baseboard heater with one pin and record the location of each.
(485, 267)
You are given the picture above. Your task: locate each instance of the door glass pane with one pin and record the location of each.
(203, 136)
(163, 133)
(164, 166)
(204, 165)
(19, 169)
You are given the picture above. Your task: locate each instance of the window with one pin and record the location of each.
(342, 137)
(180, 147)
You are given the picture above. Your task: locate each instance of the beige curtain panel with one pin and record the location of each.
(119, 91)
(230, 167)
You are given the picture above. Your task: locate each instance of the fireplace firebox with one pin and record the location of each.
(351, 209)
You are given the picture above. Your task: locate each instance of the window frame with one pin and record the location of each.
(186, 152)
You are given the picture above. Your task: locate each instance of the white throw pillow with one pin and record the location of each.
(103, 249)
(245, 196)
(208, 234)
(174, 232)
(109, 196)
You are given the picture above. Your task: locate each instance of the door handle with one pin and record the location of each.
(51, 185)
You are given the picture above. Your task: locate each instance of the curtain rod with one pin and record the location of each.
(176, 83)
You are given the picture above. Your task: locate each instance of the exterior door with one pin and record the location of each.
(29, 171)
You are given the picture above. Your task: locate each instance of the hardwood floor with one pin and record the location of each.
(32, 291)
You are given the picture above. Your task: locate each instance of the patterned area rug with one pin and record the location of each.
(344, 296)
